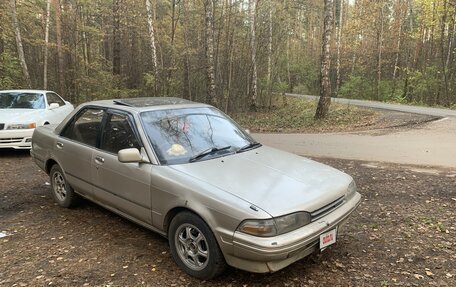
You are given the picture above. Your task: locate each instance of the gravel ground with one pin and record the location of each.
(401, 235)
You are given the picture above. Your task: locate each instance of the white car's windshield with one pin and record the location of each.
(19, 100)
(187, 135)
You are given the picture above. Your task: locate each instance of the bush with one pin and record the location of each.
(357, 87)
(424, 86)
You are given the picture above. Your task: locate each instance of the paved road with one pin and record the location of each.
(385, 106)
(433, 144)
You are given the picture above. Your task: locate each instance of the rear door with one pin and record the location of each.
(123, 186)
(75, 146)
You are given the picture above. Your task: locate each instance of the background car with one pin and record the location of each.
(21, 111)
(190, 173)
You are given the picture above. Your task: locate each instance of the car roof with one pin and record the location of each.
(147, 103)
(26, 91)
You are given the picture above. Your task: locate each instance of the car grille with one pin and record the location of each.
(2, 126)
(327, 208)
(10, 140)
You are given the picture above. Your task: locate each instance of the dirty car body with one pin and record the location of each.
(190, 173)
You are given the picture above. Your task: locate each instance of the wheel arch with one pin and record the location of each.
(49, 163)
(173, 212)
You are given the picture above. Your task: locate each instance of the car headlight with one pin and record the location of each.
(351, 190)
(275, 226)
(21, 126)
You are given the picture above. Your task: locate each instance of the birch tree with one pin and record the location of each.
(20, 49)
(252, 16)
(209, 48)
(153, 50)
(325, 83)
(58, 35)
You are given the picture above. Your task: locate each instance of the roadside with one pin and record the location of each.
(297, 116)
(431, 144)
(401, 235)
(437, 112)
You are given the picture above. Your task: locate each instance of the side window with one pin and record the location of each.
(118, 134)
(53, 98)
(85, 127)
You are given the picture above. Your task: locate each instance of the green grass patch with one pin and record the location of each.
(295, 115)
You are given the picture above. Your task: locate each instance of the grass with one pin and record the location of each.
(298, 116)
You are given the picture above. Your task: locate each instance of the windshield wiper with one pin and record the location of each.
(248, 146)
(208, 152)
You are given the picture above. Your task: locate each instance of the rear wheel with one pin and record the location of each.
(194, 247)
(63, 193)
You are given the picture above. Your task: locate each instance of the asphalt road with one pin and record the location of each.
(385, 106)
(433, 144)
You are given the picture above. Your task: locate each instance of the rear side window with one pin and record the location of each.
(85, 127)
(118, 134)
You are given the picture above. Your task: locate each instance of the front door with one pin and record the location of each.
(122, 186)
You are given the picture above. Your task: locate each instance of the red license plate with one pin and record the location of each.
(328, 238)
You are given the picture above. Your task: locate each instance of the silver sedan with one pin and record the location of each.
(190, 173)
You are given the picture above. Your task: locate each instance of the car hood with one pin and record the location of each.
(20, 115)
(275, 181)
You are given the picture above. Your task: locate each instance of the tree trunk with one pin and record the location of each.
(379, 54)
(252, 16)
(58, 35)
(268, 79)
(171, 51)
(46, 42)
(211, 97)
(445, 99)
(338, 44)
(20, 49)
(85, 52)
(116, 38)
(186, 79)
(398, 47)
(325, 83)
(153, 49)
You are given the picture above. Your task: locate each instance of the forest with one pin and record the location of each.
(234, 54)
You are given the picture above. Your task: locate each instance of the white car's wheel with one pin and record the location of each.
(63, 193)
(194, 247)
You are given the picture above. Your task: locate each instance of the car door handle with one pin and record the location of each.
(99, 160)
(59, 145)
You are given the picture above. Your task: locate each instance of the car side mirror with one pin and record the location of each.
(129, 155)
(53, 106)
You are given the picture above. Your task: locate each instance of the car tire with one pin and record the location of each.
(194, 247)
(63, 193)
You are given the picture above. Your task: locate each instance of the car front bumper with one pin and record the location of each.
(17, 139)
(270, 254)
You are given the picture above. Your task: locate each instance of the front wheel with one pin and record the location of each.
(63, 193)
(194, 247)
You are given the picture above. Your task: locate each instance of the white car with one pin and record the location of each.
(21, 111)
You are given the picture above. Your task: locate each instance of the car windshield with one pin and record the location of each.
(19, 100)
(193, 134)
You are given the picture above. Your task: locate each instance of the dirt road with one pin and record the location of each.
(433, 144)
(401, 235)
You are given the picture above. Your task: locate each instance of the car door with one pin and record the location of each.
(123, 186)
(75, 146)
(57, 115)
